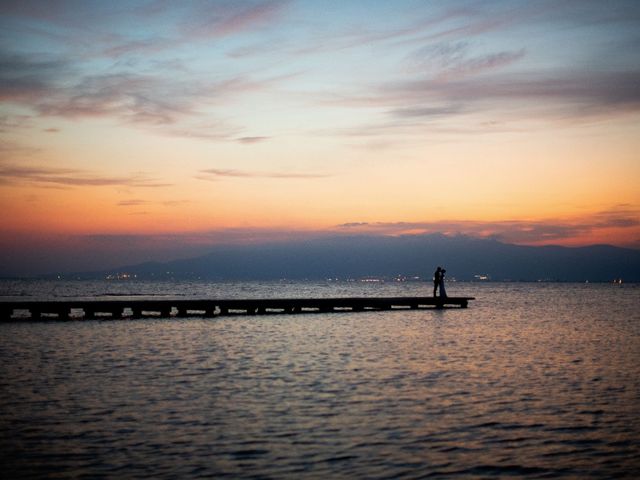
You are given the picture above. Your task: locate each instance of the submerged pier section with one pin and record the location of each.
(132, 309)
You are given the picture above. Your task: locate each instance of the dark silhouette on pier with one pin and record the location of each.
(443, 291)
(438, 283)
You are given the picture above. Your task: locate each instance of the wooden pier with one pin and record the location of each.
(132, 309)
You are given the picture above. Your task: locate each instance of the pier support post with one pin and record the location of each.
(137, 313)
(5, 314)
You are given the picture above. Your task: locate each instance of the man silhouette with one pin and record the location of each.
(437, 280)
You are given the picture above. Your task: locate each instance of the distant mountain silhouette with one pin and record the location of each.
(411, 255)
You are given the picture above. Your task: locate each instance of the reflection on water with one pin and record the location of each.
(532, 381)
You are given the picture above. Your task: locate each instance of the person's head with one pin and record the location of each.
(438, 269)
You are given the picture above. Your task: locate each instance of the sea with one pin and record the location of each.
(533, 380)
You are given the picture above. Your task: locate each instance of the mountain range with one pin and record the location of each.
(343, 257)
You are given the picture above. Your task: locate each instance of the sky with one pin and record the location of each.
(153, 130)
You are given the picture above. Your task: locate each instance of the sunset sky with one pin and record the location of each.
(154, 129)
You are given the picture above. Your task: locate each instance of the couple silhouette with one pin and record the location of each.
(438, 282)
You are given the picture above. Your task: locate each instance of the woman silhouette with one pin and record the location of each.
(443, 292)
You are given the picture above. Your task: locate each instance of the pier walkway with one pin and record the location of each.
(131, 309)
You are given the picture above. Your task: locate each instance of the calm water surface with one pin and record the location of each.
(532, 381)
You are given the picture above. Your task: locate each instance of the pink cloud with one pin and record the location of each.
(559, 230)
(211, 21)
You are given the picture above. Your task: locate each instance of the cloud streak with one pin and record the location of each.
(251, 140)
(569, 96)
(447, 76)
(136, 202)
(28, 78)
(67, 177)
(213, 174)
(169, 105)
(132, 203)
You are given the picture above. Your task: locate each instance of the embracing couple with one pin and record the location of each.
(438, 282)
